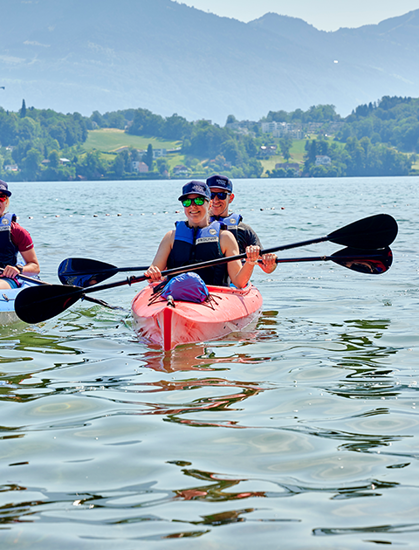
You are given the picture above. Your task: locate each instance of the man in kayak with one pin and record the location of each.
(199, 240)
(13, 240)
(221, 197)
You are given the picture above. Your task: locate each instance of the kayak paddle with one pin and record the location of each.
(373, 262)
(369, 233)
(85, 272)
(43, 283)
(37, 304)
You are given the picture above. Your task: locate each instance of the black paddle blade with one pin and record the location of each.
(84, 272)
(369, 233)
(39, 303)
(373, 262)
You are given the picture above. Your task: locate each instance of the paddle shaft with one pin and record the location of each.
(201, 265)
(338, 259)
(174, 271)
(122, 269)
(218, 261)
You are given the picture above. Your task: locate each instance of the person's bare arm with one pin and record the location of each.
(161, 257)
(31, 262)
(31, 265)
(238, 273)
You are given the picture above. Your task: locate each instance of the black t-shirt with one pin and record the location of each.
(246, 237)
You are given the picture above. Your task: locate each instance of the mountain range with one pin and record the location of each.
(78, 55)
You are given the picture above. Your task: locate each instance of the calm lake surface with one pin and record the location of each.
(301, 433)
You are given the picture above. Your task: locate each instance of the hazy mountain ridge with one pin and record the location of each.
(167, 57)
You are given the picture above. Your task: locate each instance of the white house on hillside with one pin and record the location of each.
(323, 160)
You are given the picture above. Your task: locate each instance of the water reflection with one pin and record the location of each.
(190, 386)
(215, 403)
(132, 504)
(215, 490)
(198, 357)
(355, 442)
(383, 529)
(123, 504)
(370, 376)
(32, 341)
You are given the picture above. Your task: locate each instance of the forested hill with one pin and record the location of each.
(162, 55)
(377, 139)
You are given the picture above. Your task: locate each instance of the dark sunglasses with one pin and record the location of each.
(222, 195)
(3, 198)
(199, 201)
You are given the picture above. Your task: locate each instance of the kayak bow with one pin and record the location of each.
(169, 323)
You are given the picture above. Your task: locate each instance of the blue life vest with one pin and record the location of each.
(194, 245)
(230, 222)
(8, 251)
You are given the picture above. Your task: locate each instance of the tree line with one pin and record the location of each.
(376, 139)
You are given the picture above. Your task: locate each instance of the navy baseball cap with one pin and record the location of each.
(4, 188)
(220, 182)
(197, 188)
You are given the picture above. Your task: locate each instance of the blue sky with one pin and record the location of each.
(326, 15)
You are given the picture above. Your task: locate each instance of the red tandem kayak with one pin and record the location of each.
(170, 323)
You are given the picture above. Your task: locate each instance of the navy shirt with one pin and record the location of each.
(246, 237)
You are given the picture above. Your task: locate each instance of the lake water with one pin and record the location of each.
(302, 432)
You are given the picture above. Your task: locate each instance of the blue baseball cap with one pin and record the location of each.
(197, 188)
(4, 188)
(220, 182)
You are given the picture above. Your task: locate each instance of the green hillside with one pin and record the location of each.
(112, 139)
(297, 155)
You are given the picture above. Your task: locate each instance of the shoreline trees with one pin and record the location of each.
(378, 139)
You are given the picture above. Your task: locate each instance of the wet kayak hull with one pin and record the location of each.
(7, 305)
(168, 325)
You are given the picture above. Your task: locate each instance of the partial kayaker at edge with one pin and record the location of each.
(14, 239)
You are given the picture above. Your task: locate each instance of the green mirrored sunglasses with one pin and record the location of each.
(199, 201)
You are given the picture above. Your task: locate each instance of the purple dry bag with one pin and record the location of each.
(187, 287)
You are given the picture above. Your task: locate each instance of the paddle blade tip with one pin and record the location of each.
(377, 231)
(37, 304)
(372, 262)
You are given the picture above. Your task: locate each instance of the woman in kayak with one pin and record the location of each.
(198, 240)
(13, 240)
